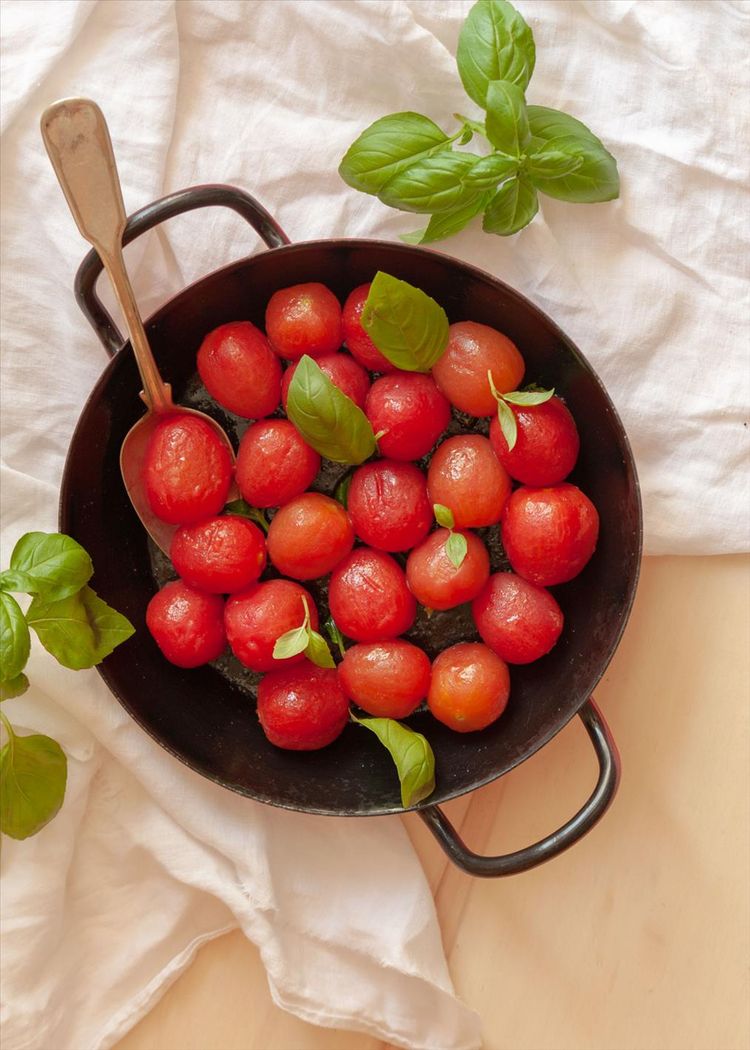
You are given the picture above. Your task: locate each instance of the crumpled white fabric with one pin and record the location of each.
(147, 860)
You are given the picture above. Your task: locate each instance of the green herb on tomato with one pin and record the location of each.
(304, 639)
(411, 754)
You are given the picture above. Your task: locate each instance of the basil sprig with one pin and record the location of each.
(456, 546)
(410, 163)
(304, 639)
(411, 754)
(327, 419)
(405, 324)
(505, 415)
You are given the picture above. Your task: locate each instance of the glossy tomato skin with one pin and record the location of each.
(220, 555)
(274, 463)
(549, 534)
(302, 708)
(410, 413)
(546, 447)
(342, 370)
(461, 373)
(388, 504)
(466, 475)
(368, 597)
(187, 470)
(436, 582)
(304, 319)
(187, 624)
(358, 342)
(469, 688)
(255, 618)
(240, 370)
(516, 619)
(309, 536)
(386, 679)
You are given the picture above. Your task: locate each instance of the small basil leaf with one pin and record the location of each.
(447, 223)
(15, 641)
(241, 509)
(456, 547)
(405, 324)
(10, 580)
(317, 651)
(508, 425)
(387, 147)
(443, 515)
(513, 207)
(335, 635)
(56, 565)
(14, 687)
(80, 630)
(476, 127)
(341, 492)
(507, 120)
(412, 755)
(552, 164)
(33, 775)
(326, 418)
(528, 397)
(494, 44)
(435, 184)
(596, 178)
(292, 643)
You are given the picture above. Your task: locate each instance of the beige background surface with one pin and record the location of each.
(636, 939)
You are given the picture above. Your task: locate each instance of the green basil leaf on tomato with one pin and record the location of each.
(327, 419)
(404, 323)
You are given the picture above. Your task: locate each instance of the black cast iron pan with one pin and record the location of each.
(206, 717)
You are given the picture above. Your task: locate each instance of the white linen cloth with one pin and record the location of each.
(147, 860)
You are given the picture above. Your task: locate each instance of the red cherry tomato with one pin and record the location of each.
(410, 413)
(256, 618)
(186, 624)
(274, 463)
(386, 679)
(358, 342)
(187, 470)
(469, 688)
(304, 319)
(343, 372)
(436, 582)
(368, 597)
(466, 476)
(461, 373)
(546, 447)
(309, 535)
(549, 534)
(388, 504)
(518, 620)
(302, 708)
(240, 370)
(219, 555)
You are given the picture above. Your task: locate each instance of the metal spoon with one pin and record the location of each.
(77, 139)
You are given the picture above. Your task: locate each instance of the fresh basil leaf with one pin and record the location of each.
(15, 641)
(242, 509)
(447, 223)
(317, 651)
(508, 425)
(10, 580)
(80, 630)
(552, 164)
(388, 146)
(404, 323)
(596, 178)
(55, 564)
(528, 397)
(335, 635)
(341, 492)
(292, 643)
(326, 418)
(412, 755)
(443, 515)
(457, 547)
(13, 687)
(507, 120)
(33, 775)
(435, 184)
(513, 207)
(494, 44)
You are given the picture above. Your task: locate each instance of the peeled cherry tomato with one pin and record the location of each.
(466, 475)
(187, 470)
(304, 319)
(309, 535)
(274, 463)
(386, 679)
(469, 688)
(461, 373)
(436, 582)
(187, 624)
(388, 504)
(219, 555)
(518, 620)
(240, 370)
(256, 618)
(546, 447)
(358, 342)
(368, 597)
(342, 370)
(410, 413)
(302, 708)
(549, 534)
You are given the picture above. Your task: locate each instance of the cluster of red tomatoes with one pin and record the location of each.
(548, 527)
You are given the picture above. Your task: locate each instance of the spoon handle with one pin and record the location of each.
(77, 140)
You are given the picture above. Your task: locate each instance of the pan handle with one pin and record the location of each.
(548, 847)
(150, 216)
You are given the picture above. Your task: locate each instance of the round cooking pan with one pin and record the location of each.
(206, 717)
